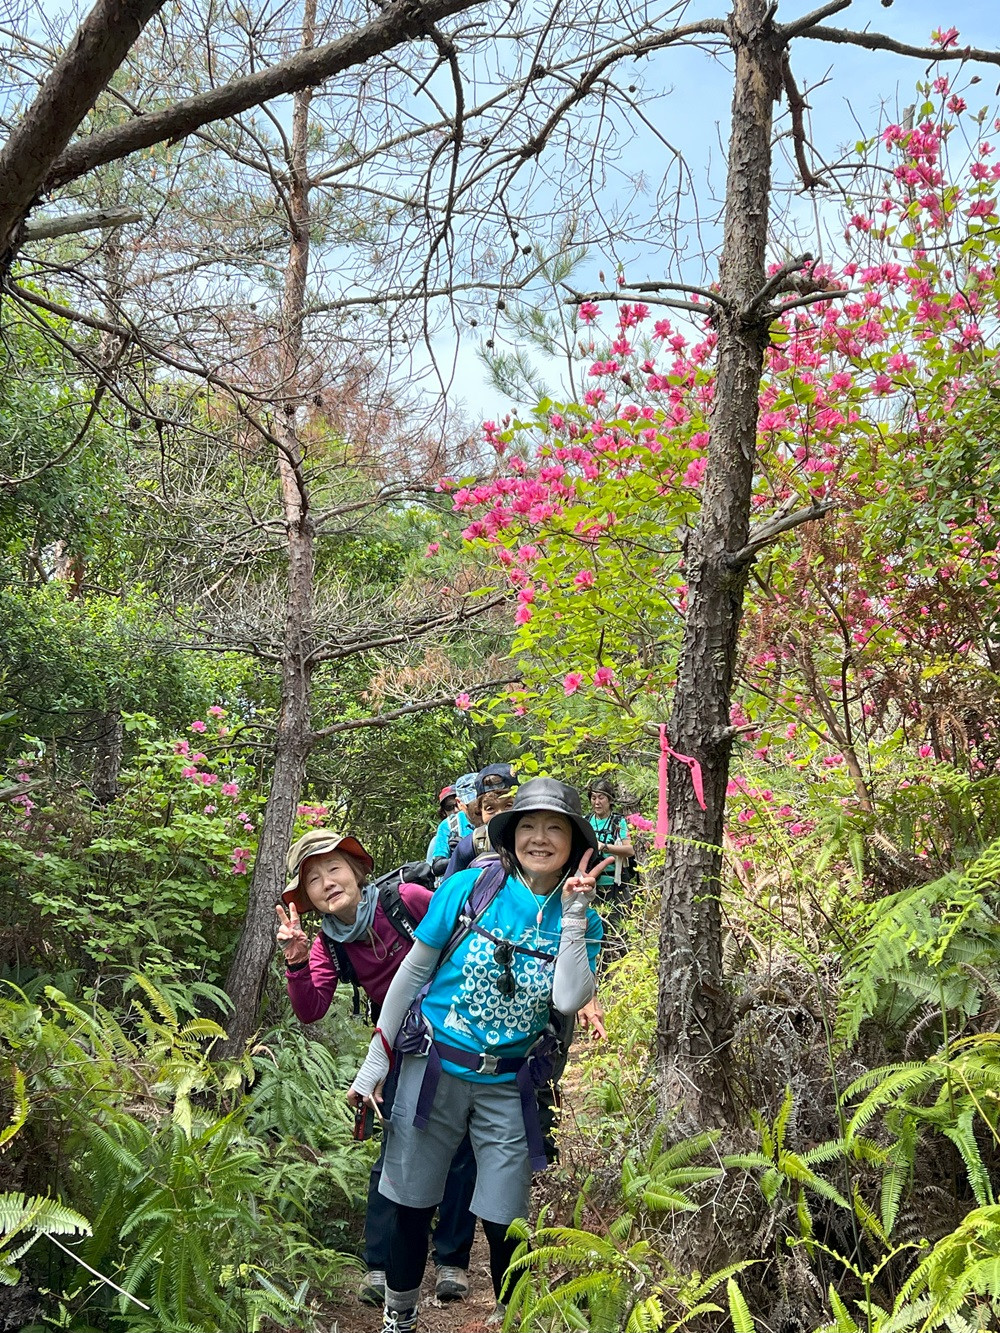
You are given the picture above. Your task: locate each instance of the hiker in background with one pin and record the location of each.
(470, 1007)
(493, 787)
(366, 931)
(613, 840)
(454, 824)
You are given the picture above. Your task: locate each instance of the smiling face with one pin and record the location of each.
(331, 886)
(542, 844)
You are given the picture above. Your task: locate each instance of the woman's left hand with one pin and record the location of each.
(581, 887)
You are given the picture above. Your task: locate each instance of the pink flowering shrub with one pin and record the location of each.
(179, 860)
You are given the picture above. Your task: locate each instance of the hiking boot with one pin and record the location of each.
(451, 1284)
(399, 1321)
(498, 1316)
(371, 1289)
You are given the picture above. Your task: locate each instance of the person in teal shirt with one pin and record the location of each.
(613, 840)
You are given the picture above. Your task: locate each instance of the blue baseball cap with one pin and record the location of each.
(465, 788)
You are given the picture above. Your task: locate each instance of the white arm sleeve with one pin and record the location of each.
(573, 981)
(414, 970)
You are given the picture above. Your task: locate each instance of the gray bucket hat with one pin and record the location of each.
(543, 794)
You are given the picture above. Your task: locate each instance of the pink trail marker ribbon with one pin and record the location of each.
(697, 782)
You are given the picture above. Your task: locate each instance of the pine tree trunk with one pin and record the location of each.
(693, 1016)
(248, 972)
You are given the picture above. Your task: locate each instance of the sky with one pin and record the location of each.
(853, 90)
(850, 91)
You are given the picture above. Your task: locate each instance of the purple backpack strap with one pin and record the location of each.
(414, 1036)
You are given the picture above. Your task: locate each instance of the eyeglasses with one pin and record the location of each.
(503, 956)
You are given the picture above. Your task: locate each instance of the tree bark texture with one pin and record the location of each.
(248, 972)
(693, 1013)
(100, 45)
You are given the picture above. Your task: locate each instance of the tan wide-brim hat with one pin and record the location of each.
(317, 842)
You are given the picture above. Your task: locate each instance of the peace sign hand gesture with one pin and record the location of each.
(578, 891)
(292, 939)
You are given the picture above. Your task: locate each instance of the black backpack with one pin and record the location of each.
(402, 920)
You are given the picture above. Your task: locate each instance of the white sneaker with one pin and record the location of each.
(399, 1321)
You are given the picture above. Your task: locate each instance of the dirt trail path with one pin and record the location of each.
(469, 1316)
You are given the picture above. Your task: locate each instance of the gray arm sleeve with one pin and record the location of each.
(414, 970)
(573, 981)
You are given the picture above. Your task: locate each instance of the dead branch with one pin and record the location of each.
(48, 228)
(423, 706)
(796, 108)
(877, 41)
(799, 27)
(398, 23)
(766, 533)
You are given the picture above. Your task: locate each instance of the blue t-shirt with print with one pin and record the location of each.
(464, 1006)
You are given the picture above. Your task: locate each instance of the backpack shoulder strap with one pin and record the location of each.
(345, 969)
(489, 882)
(398, 914)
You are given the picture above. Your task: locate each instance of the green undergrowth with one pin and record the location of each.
(151, 1188)
(855, 1185)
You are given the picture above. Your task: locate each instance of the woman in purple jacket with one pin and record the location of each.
(329, 875)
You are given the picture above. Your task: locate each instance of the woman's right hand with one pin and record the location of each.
(292, 939)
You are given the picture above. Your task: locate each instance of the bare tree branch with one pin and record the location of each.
(796, 109)
(47, 228)
(798, 27)
(769, 532)
(877, 41)
(409, 632)
(399, 23)
(423, 706)
(100, 45)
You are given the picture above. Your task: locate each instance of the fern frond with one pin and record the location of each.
(739, 1311)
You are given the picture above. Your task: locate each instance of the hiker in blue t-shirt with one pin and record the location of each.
(487, 984)
(454, 823)
(493, 785)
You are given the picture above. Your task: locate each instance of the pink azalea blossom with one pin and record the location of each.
(603, 676)
(181, 747)
(216, 711)
(522, 615)
(584, 579)
(572, 682)
(637, 821)
(198, 725)
(189, 772)
(926, 751)
(944, 37)
(588, 312)
(209, 810)
(230, 789)
(432, 548)
(463, 702)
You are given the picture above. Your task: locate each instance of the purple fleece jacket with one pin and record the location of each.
(375, 959)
